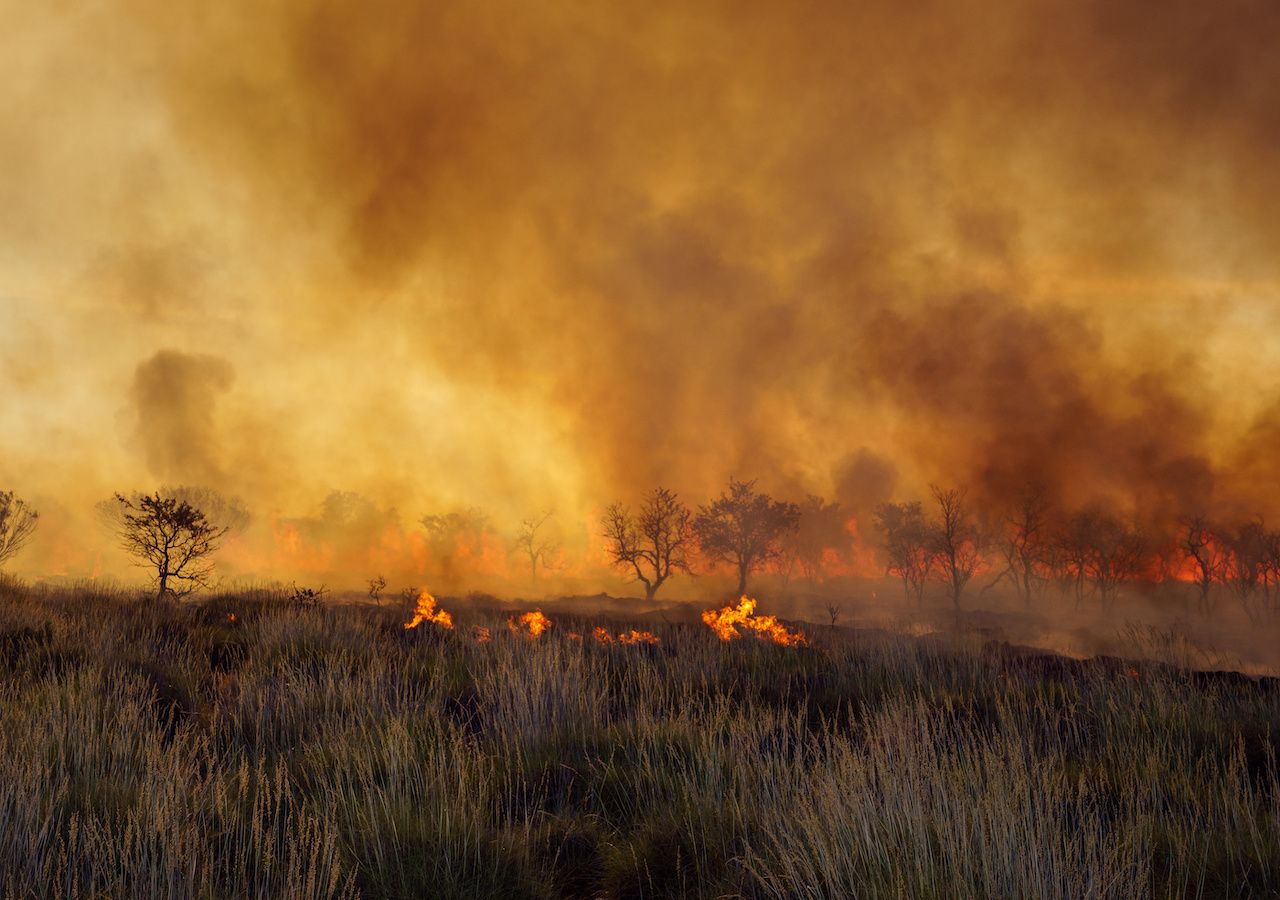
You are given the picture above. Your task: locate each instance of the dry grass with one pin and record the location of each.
(327, 752)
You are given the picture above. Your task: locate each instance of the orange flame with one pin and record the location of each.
(231, 617)
(481, 634)
(531, 623)
(603, 636)
(426, 612)
(638, 637)
(726, 621)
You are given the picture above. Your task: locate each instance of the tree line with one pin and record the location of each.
(1026, 543)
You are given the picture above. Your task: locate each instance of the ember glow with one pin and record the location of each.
(531, 624)
(480, 634)
(731, 622)
(425, 611)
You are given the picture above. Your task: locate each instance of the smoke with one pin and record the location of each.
(175, 398)
(516, 258)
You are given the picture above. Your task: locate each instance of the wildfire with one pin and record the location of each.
(481, 634)
(426, 612)
(603, 636)
(231, 617)
(725, 623)
(531, 623)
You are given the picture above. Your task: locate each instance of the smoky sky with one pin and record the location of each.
(518, 257)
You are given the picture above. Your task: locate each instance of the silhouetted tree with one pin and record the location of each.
(744, 528)
(171, 536)
(907, 545)
(1208, 555)
(17, 524)
(1115, 553)
(534, 544)
(653, 544)
(1247, 569)
(1026, 543)
(1074, 548)
(957, 541)
(821, 528)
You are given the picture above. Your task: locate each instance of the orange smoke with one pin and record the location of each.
(533, 624)
(426, 612)
(725, 623)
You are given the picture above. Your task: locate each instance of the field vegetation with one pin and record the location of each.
(247, 745)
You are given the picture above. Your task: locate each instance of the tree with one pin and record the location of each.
(1247, 568)
(17, 524)
(743, 528)
(957, 541)
(171, 536)
(1073, 547)
(534, 543)
(1115, 554)
(821, 528)
(655, 543)
(1026, 544)
(907, 545)
(1207, 552)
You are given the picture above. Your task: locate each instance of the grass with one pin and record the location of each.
(167, 752)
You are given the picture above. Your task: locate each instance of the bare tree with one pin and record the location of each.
(377, 584)
(821, 528)
(1073, 551)
(1116, 553)
(744, 528)
(1026, 545)
(833, 611)
(17, 524)
(1248, 572)
(171, 536)
(906, 545)
(535, 544)
(655, 543)
(957, 541)
(1209, 558)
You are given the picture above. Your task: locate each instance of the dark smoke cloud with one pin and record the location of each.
(521, 256)
(175, 397)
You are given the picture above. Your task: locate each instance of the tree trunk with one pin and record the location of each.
(742, 579)
(164, 585)
(650, 590)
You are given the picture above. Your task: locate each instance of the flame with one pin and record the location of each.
(531, 623)
(481, 634)
(726, 621)
(426, 612)
(231, 617)
(603, 636)
(638, 637)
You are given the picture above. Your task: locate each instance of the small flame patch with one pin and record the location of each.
(532, 624)
(426, 611)
(726, 621)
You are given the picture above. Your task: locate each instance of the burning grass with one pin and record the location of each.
(168, 752)
(425, 611)
(730, 622)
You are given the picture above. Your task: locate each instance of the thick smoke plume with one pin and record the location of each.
(516, 257)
